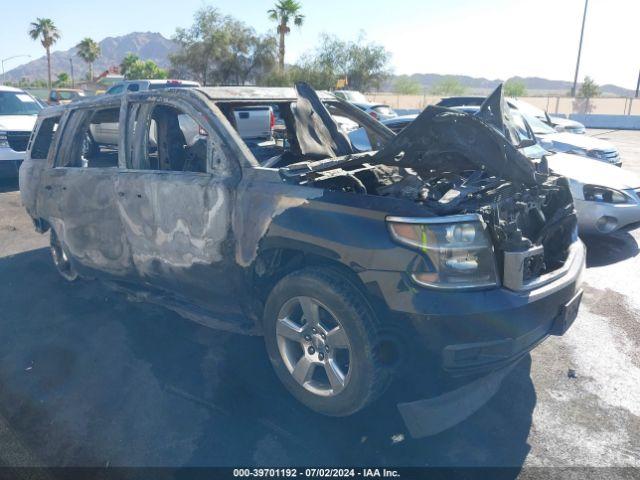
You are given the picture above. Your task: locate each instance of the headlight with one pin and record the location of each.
(4, 143)
(457, 250)
(595, 193)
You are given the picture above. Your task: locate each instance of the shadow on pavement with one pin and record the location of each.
(8, 185)
(607, 249)
(89, 378)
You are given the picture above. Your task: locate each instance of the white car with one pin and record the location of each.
(559, 142)
(378, 111)
(18, 113)
(606, 198)
(558, 123)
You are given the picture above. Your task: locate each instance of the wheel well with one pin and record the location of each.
(41, 225)
(273, 265)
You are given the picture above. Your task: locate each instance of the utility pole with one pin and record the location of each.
(575, 78)
(6, 60)
(73, 83)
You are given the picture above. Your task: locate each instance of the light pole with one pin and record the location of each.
(73, 83)
(7, 59)
(575, 78)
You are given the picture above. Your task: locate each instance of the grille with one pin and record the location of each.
(18, 140)
(611, 156)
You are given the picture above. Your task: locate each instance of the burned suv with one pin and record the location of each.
(442, 239)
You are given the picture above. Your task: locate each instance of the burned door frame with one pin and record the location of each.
(75, 197)
(178, 223)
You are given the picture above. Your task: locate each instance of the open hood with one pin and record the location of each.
(441, 138)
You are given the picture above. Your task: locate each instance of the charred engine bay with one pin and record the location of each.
(518, 216)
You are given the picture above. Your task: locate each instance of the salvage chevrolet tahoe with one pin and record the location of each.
(443, 238)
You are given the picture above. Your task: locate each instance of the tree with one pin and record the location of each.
(89, 51)
(588, 90)
(363, 65)
(45, 30)
(405, 85)
(62, 80)
(219, 49)
(127, 62)
(514, 88)
(447, 87)
(141, 69)
(284, 12)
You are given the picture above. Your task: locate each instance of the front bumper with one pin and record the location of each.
(474, 332)
(596, 218)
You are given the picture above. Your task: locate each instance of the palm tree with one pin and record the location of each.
(45, 30)
(283, 13)
(127, 62)
(88, 50)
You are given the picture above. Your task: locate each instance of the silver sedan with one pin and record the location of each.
(607, 198)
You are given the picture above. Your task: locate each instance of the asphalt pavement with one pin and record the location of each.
(89, 377)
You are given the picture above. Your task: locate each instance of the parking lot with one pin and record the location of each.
(89, 377)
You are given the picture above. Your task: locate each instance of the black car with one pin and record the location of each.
(443, 239)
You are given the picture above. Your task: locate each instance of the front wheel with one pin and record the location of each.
(322, 337)
(61, 259)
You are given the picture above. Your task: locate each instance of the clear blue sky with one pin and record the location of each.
(490, 38)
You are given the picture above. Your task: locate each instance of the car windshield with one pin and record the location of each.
(537, 125)
(527, 108)
(355, 97)
(69, 95)
(18, 103)
(383, 110)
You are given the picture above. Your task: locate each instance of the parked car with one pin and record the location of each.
(351, 96)
(18, 112)
(60, 96)
(550, 139)
(606, 198)
(558, 123)
(378, 111)
(352, 265)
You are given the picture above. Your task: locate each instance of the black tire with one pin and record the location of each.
(61, 259)
(366, 378)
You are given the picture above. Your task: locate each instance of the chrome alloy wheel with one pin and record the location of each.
(60, 259)
(314, 346)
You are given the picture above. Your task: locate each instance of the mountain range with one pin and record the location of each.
(147, 45)
(534, 85)
(153, 46)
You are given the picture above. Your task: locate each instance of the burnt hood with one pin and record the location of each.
(447, 140)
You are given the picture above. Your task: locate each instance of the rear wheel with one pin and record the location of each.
(61, 259)
(321, 336)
